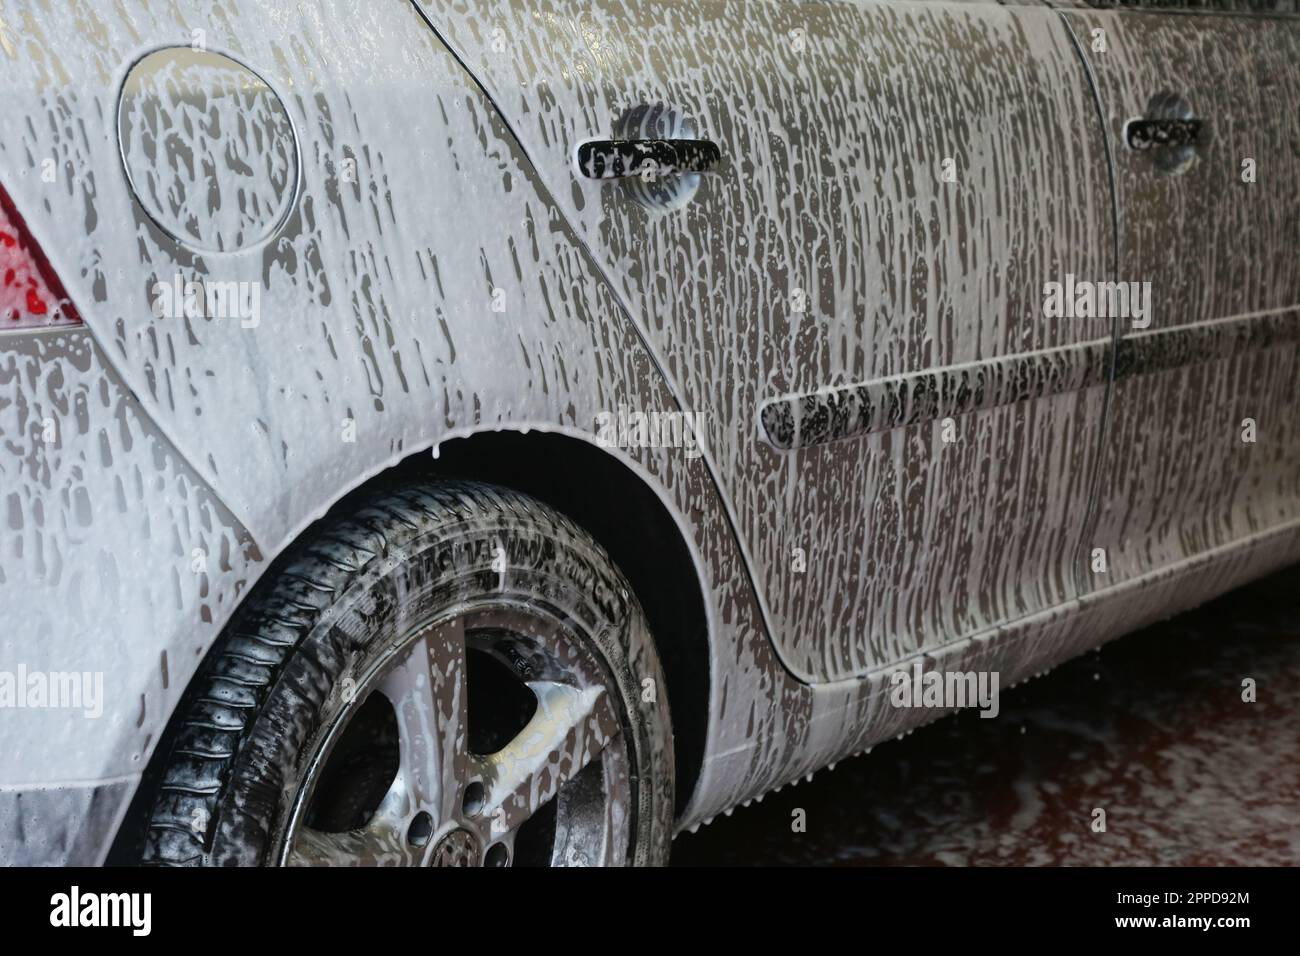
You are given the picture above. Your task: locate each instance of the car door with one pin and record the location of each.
(851, 306)
(1203, 444)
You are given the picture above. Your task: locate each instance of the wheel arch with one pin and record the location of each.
(622, 511)
(609, 499)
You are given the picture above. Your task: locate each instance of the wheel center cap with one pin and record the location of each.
(457, 848)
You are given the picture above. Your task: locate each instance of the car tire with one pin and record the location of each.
(336, 723)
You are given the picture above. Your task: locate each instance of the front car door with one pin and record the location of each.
(1203, 438)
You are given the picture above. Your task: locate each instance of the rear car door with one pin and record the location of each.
(1203, 444)
(851, 307)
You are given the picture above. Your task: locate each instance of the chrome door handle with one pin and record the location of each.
(624, 158)
(1145, 134)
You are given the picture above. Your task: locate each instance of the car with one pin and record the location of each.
(439, 433)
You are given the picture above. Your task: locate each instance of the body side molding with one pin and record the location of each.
(851, 411)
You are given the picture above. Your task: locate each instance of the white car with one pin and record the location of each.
(438, 432)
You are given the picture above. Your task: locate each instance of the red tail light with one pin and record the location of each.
(31, 295)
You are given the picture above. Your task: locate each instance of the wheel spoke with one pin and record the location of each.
(570, 729)
(427, 691)
(378, 843)
(445, 805)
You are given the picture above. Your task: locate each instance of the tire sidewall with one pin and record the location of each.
(445, 559)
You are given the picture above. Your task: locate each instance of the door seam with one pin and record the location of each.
(1092, 509)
